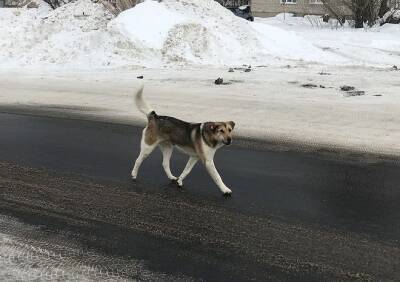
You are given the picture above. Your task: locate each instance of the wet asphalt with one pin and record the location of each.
(340, 195)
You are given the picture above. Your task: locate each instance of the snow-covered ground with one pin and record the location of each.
(268, 102)
(29, 253)
(376, 46)
(171, 33)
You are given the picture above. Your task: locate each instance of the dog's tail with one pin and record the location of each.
(141, 103)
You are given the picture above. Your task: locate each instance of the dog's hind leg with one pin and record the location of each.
(145, 151)
(166, 150)
(188, 168)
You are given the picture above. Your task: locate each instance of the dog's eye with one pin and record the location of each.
(221, 130)
(230, 130)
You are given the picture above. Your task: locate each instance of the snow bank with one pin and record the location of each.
(84, 35)
(150, 23)
(73, 36)
(204, 32)
(198, 32)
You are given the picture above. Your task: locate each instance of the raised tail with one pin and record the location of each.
(141, 103)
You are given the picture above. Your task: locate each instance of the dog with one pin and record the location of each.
(198, 140)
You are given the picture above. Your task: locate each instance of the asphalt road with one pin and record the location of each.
(293, 216)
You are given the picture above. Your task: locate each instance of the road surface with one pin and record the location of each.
(293, 215)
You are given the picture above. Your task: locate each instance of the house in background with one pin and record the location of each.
(270, 8)
(12, 3)
(394, 4)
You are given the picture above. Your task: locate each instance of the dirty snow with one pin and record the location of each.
(290, 113)
(28, 253)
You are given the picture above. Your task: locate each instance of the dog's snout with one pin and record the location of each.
(229, 141)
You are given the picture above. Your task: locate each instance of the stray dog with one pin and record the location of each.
(198, 140)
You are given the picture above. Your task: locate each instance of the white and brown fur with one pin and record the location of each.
(198, 140)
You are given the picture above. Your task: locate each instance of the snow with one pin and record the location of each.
(378, 46)
(175, 33)
(139, 23)
(267, 103)
(72, 36)
(203, 32)
(31, 253)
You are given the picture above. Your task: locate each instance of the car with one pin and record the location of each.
(243, 12)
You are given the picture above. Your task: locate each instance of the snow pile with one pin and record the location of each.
(204, 32)
(149, 23)
(74, 35)
(84, 35)
(80, 35)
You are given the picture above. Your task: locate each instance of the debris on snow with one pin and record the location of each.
(354, 93)
(309, 85)
(324, 73)
(219, 81)
(347, 88)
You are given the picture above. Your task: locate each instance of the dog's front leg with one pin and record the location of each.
(216, 177)
(188, 168)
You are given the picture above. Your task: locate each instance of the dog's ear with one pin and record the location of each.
(232, 124)
(210, 126)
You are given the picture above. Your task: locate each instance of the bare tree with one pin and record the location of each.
(364, 11)
(384, 8)
(123, 5)
(56, 3)
(117, 6)
(336, 9)
(53, 3)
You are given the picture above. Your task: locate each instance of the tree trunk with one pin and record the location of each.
(384, 7)
(365, 11)
(53, 3)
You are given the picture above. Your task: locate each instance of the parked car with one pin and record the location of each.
(243, 12)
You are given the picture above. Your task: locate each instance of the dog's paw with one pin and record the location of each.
(173, 178)
(227, 192)
(179, 182)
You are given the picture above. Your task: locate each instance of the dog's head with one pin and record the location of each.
(220, 132)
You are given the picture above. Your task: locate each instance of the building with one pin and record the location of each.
(270, 8)
(12, 3)
(394, 4)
